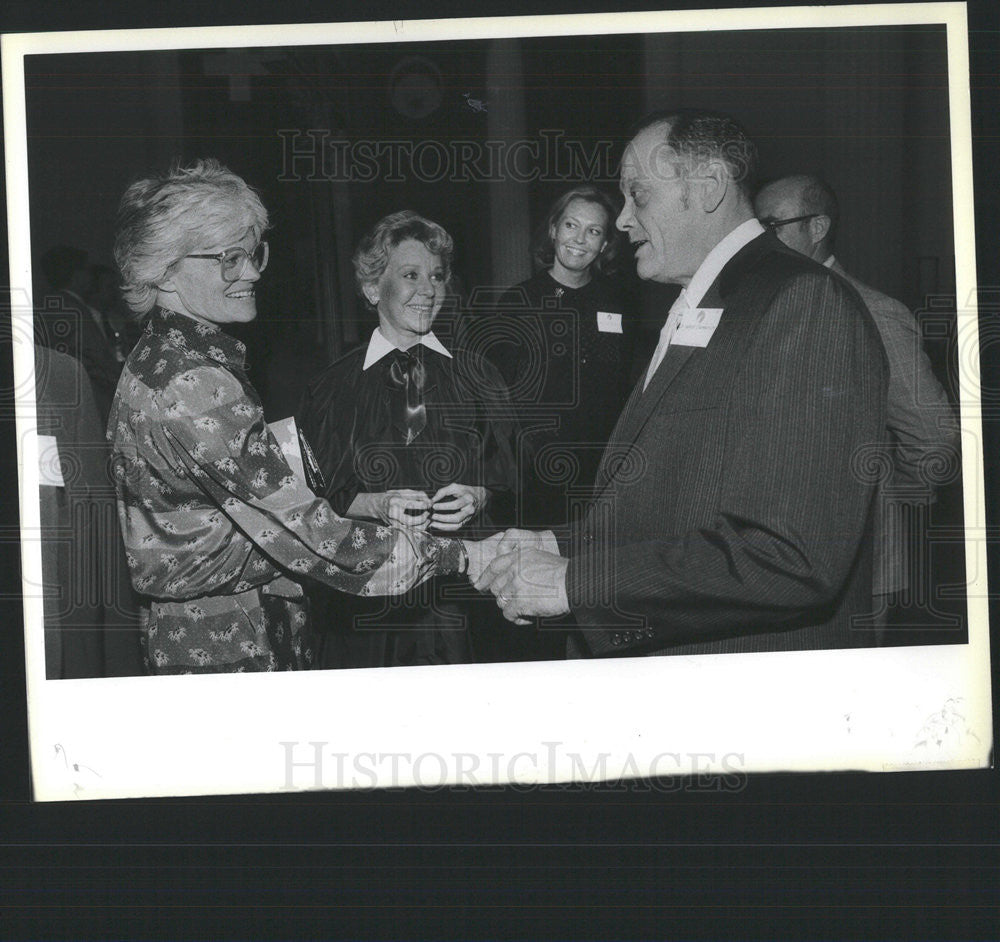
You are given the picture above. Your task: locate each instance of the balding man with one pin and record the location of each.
(803, 211)
(729, 513)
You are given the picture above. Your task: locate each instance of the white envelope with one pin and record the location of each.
(286, 432)
(49, 470)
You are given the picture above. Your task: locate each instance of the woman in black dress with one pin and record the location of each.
(412, 432)
(562, 341)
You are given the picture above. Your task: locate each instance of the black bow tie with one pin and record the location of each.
(408, 376)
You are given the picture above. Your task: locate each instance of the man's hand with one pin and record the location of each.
(528, 539)
(454, 504)
(528, 582)
(481, 553)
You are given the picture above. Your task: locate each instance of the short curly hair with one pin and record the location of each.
(165, 217)
(544, 249)
(372, 255)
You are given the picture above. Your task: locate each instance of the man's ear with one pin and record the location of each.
(819, 228)
(714, 179)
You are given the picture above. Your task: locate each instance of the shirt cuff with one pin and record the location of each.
(451, 560)
(550, 543)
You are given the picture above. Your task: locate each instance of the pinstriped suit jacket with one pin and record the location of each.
(733, 507)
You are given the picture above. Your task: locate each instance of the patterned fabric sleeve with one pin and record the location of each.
(211, 434)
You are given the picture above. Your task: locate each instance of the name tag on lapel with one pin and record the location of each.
(608, 323)
(697, 326)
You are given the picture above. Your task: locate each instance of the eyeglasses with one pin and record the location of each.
(773, 224)
(233, 262)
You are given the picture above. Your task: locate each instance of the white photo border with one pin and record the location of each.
(531, 723)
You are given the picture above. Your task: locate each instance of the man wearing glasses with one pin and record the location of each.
(803, 211)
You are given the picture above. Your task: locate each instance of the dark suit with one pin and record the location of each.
(66, 324)
(91, 615)
(735, 498)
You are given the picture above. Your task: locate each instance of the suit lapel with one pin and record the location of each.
(639, 408)
(618, 435)
(664, 376)
(642, 404)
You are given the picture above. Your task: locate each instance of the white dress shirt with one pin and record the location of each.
(690, 297)
(677, 310)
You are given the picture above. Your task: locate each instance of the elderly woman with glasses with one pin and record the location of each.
(219, 529)
(411, 430)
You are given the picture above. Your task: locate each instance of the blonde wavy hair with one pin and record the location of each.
(163, 218)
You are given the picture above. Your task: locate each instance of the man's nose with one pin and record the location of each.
(624, 220)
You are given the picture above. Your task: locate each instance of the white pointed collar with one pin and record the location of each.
(717, 259)
(379, 346)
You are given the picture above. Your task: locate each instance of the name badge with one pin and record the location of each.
(697, 327)
(608, 323)
(49, 469)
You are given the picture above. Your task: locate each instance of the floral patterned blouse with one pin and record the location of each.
(215, 521)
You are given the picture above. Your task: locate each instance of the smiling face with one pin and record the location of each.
(578, 237)
(195, 287)
(662, 222)
(409, 293)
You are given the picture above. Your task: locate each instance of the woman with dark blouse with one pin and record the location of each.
(562, 341)
(412, 432)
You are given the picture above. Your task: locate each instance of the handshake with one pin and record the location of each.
(523, 570)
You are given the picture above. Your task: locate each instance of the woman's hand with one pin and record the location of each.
(454, 504)
(402, 507)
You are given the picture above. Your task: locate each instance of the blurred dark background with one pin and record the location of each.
(866, 108)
